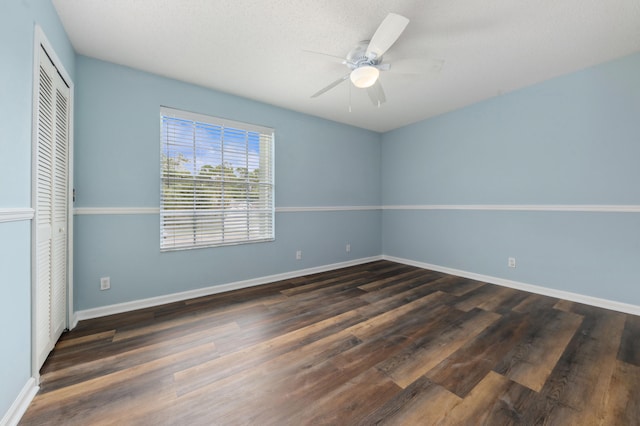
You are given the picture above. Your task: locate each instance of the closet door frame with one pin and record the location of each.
(41, 42)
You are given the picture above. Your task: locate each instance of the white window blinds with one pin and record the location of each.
(217, 181)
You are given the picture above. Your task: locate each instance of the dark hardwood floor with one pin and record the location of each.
(375, 343)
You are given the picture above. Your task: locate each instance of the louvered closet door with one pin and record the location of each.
(51, 208)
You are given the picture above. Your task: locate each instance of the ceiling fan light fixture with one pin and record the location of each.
(365, 76)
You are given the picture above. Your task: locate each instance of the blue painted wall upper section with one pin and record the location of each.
(17, 23)
(117, 152)
(570, 140)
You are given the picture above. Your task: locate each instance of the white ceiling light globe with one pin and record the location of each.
(365, 76)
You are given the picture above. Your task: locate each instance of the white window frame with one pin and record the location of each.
(225, 193)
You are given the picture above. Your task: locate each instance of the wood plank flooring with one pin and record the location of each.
(380, 343)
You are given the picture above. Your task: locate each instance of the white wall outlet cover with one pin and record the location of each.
(105, 283)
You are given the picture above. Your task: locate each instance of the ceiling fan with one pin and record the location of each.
(365, 59)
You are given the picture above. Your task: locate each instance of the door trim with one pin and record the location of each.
(40, 39)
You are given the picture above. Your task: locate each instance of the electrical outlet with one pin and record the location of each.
(105, 283)
(298, 254)
(348, 247)
(511, 262)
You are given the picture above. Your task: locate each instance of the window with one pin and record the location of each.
(217, 181)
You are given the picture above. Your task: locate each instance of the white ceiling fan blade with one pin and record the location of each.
(386, 34)
(418, 66)
(376, 94)
(383, 67)
(328, 56)
(330, 86)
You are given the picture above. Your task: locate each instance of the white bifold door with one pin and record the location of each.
(51, 203)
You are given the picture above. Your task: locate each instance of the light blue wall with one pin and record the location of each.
(117, 156)
(15, 310)
(17, 21)
(570, 140)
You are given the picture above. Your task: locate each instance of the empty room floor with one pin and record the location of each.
(378, 343)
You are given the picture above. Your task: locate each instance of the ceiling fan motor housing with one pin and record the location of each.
(357, 57)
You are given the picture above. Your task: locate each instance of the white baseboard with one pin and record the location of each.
(545, 291)
(74, 321)
(206, 291)
(21, 403)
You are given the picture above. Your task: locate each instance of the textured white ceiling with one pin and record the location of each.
(467, 50)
